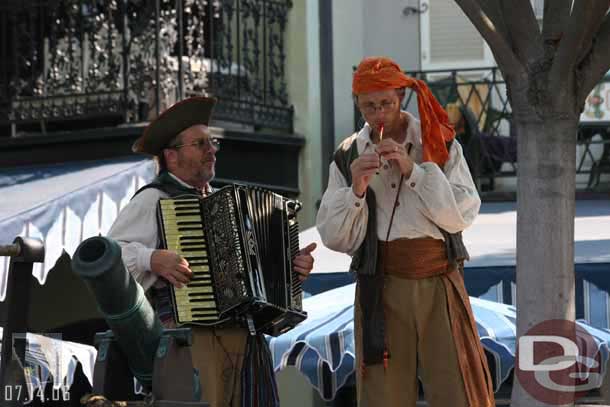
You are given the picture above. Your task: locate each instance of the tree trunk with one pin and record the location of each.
(545, 225)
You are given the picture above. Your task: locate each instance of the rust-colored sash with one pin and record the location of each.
(413, 258)
(425, 258)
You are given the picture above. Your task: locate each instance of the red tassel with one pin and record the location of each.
(386, 357)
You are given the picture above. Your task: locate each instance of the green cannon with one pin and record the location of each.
(159, 358)
(122, 302)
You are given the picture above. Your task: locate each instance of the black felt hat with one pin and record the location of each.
(179, 117)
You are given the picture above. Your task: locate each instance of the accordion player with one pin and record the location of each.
(239, 243)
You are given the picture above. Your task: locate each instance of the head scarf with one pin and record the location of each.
(375, 74)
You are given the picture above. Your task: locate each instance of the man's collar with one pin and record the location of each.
(413, 132)
(206, 190)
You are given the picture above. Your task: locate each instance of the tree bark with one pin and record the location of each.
(524, 32)
(548, 76)
(545, 224)
(482, 18)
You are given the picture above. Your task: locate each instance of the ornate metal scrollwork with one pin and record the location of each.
(249, 71)
(90, 58)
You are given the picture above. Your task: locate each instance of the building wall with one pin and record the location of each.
(366, 28)
(303, 76)
(348, 49)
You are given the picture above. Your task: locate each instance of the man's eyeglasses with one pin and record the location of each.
(371, 108)
(202, 144)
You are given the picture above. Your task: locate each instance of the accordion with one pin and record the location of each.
(239, 243)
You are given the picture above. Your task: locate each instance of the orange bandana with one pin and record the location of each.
(375, 74)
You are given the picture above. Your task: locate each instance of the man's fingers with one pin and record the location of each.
(185, 270)
(367, 172)
(302, 273)
(366, 156)
(370, 160)
(181, 278)
(387, 143)
(173, 281)
(182, 274)
(366, 159)
(393, 156)
(302, 264)
(364, 175)
(373, 160)
(183, 261)
(301, 270)
(176, 277)
(309, 248)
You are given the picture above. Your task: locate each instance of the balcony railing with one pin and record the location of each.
(478, 105)
(110, 62)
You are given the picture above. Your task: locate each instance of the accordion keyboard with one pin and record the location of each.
(183, 233)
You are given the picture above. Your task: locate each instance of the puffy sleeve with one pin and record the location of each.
(136, 231)
(342, 217)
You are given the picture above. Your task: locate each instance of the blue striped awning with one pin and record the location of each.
(322, 347)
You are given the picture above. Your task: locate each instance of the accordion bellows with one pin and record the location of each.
(239, 242)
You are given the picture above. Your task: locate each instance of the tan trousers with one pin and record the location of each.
(420, 342)
(219, 355)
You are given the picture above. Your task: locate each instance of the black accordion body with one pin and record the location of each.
(239, 242)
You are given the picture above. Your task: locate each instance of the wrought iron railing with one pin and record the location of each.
(248, 49)
(118, 61)
(477, 101)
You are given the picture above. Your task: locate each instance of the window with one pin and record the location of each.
(448, 38)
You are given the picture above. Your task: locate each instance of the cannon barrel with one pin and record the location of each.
(122, 302)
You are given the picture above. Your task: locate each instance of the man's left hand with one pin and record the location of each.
(303, 262)
(397, 153)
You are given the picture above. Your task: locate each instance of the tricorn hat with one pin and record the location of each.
(179, 117)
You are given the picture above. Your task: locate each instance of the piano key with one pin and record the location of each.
(185, 235)
(186, 215)
(188, 249)
(200, 289)
(188, 316)
(192, 242)
(198, 284)
(197, 262)
(196, 268)
(203, 307)
(197, 301)
(199, 310)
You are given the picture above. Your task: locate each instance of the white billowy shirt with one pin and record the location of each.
(136, 231)
(430, 198)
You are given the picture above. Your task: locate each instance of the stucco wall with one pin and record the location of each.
(365, 28)
(303, 75)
